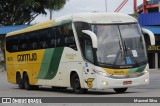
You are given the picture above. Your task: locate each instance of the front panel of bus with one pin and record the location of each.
(120, 59)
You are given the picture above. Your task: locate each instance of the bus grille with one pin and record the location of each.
(126, 76)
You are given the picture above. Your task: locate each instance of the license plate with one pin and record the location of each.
(127, 82)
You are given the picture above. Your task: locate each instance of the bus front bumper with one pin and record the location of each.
(107, 82)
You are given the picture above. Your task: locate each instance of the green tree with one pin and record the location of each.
(17, 12)
(55, 5)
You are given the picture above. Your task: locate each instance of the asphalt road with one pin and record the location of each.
(151, 90)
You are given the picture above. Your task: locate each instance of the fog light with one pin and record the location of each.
(105, 83)
(146, 80)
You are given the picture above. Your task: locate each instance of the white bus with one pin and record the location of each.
(83, 51)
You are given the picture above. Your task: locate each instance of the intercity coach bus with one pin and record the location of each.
(83, 51)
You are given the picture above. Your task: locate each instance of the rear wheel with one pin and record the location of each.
(75, 82)
(27, 86)
(19, 81)
(120, 90)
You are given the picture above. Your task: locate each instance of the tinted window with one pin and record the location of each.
(43, 38)
(66, 33)
(84, 40)
(51, 38)
(23, 43)
(61, 36)
(12, 44)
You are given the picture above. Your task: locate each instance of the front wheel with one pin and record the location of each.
(120, 90)
(75, 82)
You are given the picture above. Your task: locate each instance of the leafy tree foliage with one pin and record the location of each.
(52, 7)
(17, 12)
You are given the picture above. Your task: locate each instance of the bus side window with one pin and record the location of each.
(58, 41)
(24, 46)
(51, 38)
(43, 38)
(70, 42)
(44, 44)
(15, 44)
(58, 38)
(34, 45)
(23, 43)
(52, 42)
(9, 44)
(15, 48)
(69, 37)
(33, 41)
(12, 44)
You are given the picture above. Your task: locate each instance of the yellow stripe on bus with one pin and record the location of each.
(116, 71)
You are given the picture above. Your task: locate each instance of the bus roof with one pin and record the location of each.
(99, 18)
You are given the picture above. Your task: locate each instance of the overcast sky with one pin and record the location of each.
(76, 6)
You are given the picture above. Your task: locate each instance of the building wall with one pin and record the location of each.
(151, 21)
(153, 1)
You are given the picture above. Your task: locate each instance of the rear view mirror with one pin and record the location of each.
(93, 37)
(151, 35)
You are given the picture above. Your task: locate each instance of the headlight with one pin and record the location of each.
(104, 73)
(100, 71)
(146, 70)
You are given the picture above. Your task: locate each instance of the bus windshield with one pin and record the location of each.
(120, 45)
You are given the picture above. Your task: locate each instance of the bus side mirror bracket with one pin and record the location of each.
(93, 37)
(151, 35)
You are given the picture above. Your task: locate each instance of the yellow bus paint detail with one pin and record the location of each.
(116, 71)
(31, 66)
(43, 25)
(90, 82)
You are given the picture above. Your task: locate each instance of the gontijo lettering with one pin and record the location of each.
(27, 57)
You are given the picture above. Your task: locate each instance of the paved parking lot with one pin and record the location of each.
(151, 90)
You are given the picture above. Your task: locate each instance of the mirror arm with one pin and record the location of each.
(151, 35)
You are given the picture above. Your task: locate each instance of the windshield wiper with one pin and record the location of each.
(120, 48)
(117, 55)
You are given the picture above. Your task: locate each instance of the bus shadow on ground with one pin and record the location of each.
(70, 91)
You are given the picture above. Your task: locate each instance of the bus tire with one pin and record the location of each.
(27, 86)
(75, 82)
(120, 90)
(19, 81)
